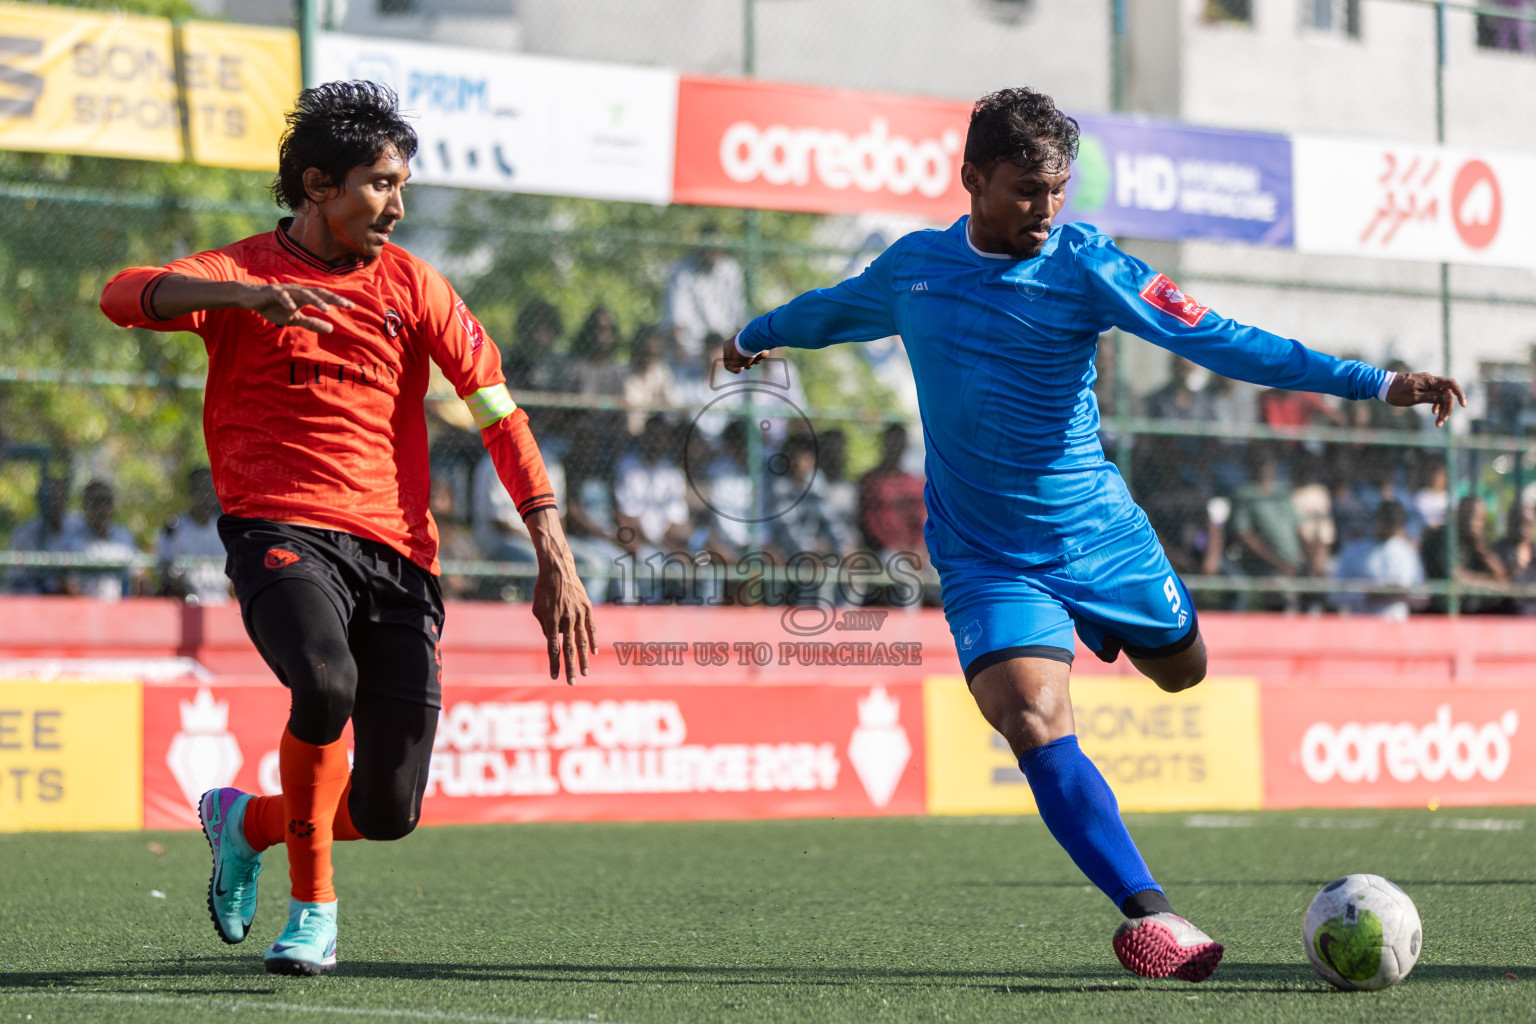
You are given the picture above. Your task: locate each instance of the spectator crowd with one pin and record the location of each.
(677, 481)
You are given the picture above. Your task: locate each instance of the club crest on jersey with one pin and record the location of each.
(393, 323)
(277, 558)
(1163, 294)
(471, 326)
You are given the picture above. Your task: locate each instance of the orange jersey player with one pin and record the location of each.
(319, 335)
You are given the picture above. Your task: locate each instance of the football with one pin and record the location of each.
(1362, 932)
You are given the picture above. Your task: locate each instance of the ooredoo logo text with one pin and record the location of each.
(1361, 751)
(872, 160)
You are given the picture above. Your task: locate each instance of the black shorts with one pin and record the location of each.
(379, 594)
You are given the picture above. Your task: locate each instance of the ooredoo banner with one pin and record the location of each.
(598, 753)
(1171, 182)
(789, 147)
(518, 123)
(1354, 747)
(1410, 202)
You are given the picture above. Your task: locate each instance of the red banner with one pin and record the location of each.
(1369, 747)
(785, 147)
(589, 754)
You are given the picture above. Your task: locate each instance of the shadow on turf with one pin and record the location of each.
(1247, 977)
(1406, 883)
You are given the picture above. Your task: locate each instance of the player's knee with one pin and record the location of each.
(384, 824)
(324, 686)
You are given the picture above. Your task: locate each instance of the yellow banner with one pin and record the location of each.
(241, 79)
(1197, 750)
(75, 82)
(71, 756)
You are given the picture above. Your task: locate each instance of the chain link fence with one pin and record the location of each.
(679, 482)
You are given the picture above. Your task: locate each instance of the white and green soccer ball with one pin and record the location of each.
(1362, 932)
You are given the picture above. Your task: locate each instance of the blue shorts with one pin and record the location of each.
(1123, 596)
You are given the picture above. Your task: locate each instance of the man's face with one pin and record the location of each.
(363, 211)
(1013, 205)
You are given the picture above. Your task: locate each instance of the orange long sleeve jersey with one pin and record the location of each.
(330, 430)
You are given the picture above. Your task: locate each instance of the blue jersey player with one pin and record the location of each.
(1033, 532)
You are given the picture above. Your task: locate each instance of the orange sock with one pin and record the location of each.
(314, 779)
(264, 821)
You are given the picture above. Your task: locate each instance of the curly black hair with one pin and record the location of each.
(336, 127)
(1019, 126)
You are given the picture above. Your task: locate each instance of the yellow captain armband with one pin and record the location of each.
(490, 404)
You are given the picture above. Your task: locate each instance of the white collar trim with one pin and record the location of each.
(978, 252)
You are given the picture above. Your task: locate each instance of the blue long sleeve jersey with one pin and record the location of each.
(1002, 351)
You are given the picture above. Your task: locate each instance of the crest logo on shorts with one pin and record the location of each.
(277, 558)
(969, 634)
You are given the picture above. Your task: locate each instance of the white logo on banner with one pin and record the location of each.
(1354, 752)
(540, 748)
(203, 755)
(879, 749)
(870, 161)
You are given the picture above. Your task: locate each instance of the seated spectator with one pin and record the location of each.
(532, 361)
(891, 511)
(1433, 499)
(1265, 522)
(595, 373)
(53, 530)
(1314, 514)
(1518, 553)
(842, 493)
(650, 497)
(1389, 559)
(1281, 409)
(591, 534)
(1179, 399)
(455, 540)
(1235, 402)
(649, 384)
(499, 532)
(706, 292)
(806, 524)
(106, 541)
(731, 495)
(194, 534)
(1477, 564)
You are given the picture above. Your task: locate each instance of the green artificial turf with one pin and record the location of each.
(852, 920)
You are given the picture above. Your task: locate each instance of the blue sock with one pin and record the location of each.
(1077, 806)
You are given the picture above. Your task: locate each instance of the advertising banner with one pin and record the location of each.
(598, 753)
(1411, 202)
(1197, 750)
(788, 147)
(241, 80)
(69, 755)
(522, 124)
(98, 84)
(1410, 747)
(1172, 182)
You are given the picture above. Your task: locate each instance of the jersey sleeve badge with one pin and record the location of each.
(472, 328)
(1163, 294)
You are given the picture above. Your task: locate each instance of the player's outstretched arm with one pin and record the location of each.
(283, 304)
(560, 602)
(1426, 389)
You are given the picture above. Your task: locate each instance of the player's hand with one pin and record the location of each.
(734, 360)
(560, 602)
(284, 304)
(1426, 389)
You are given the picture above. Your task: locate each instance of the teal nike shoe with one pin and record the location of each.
(308, 945)
(232, 888)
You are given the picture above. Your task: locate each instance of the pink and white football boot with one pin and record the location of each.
(1164, 946)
